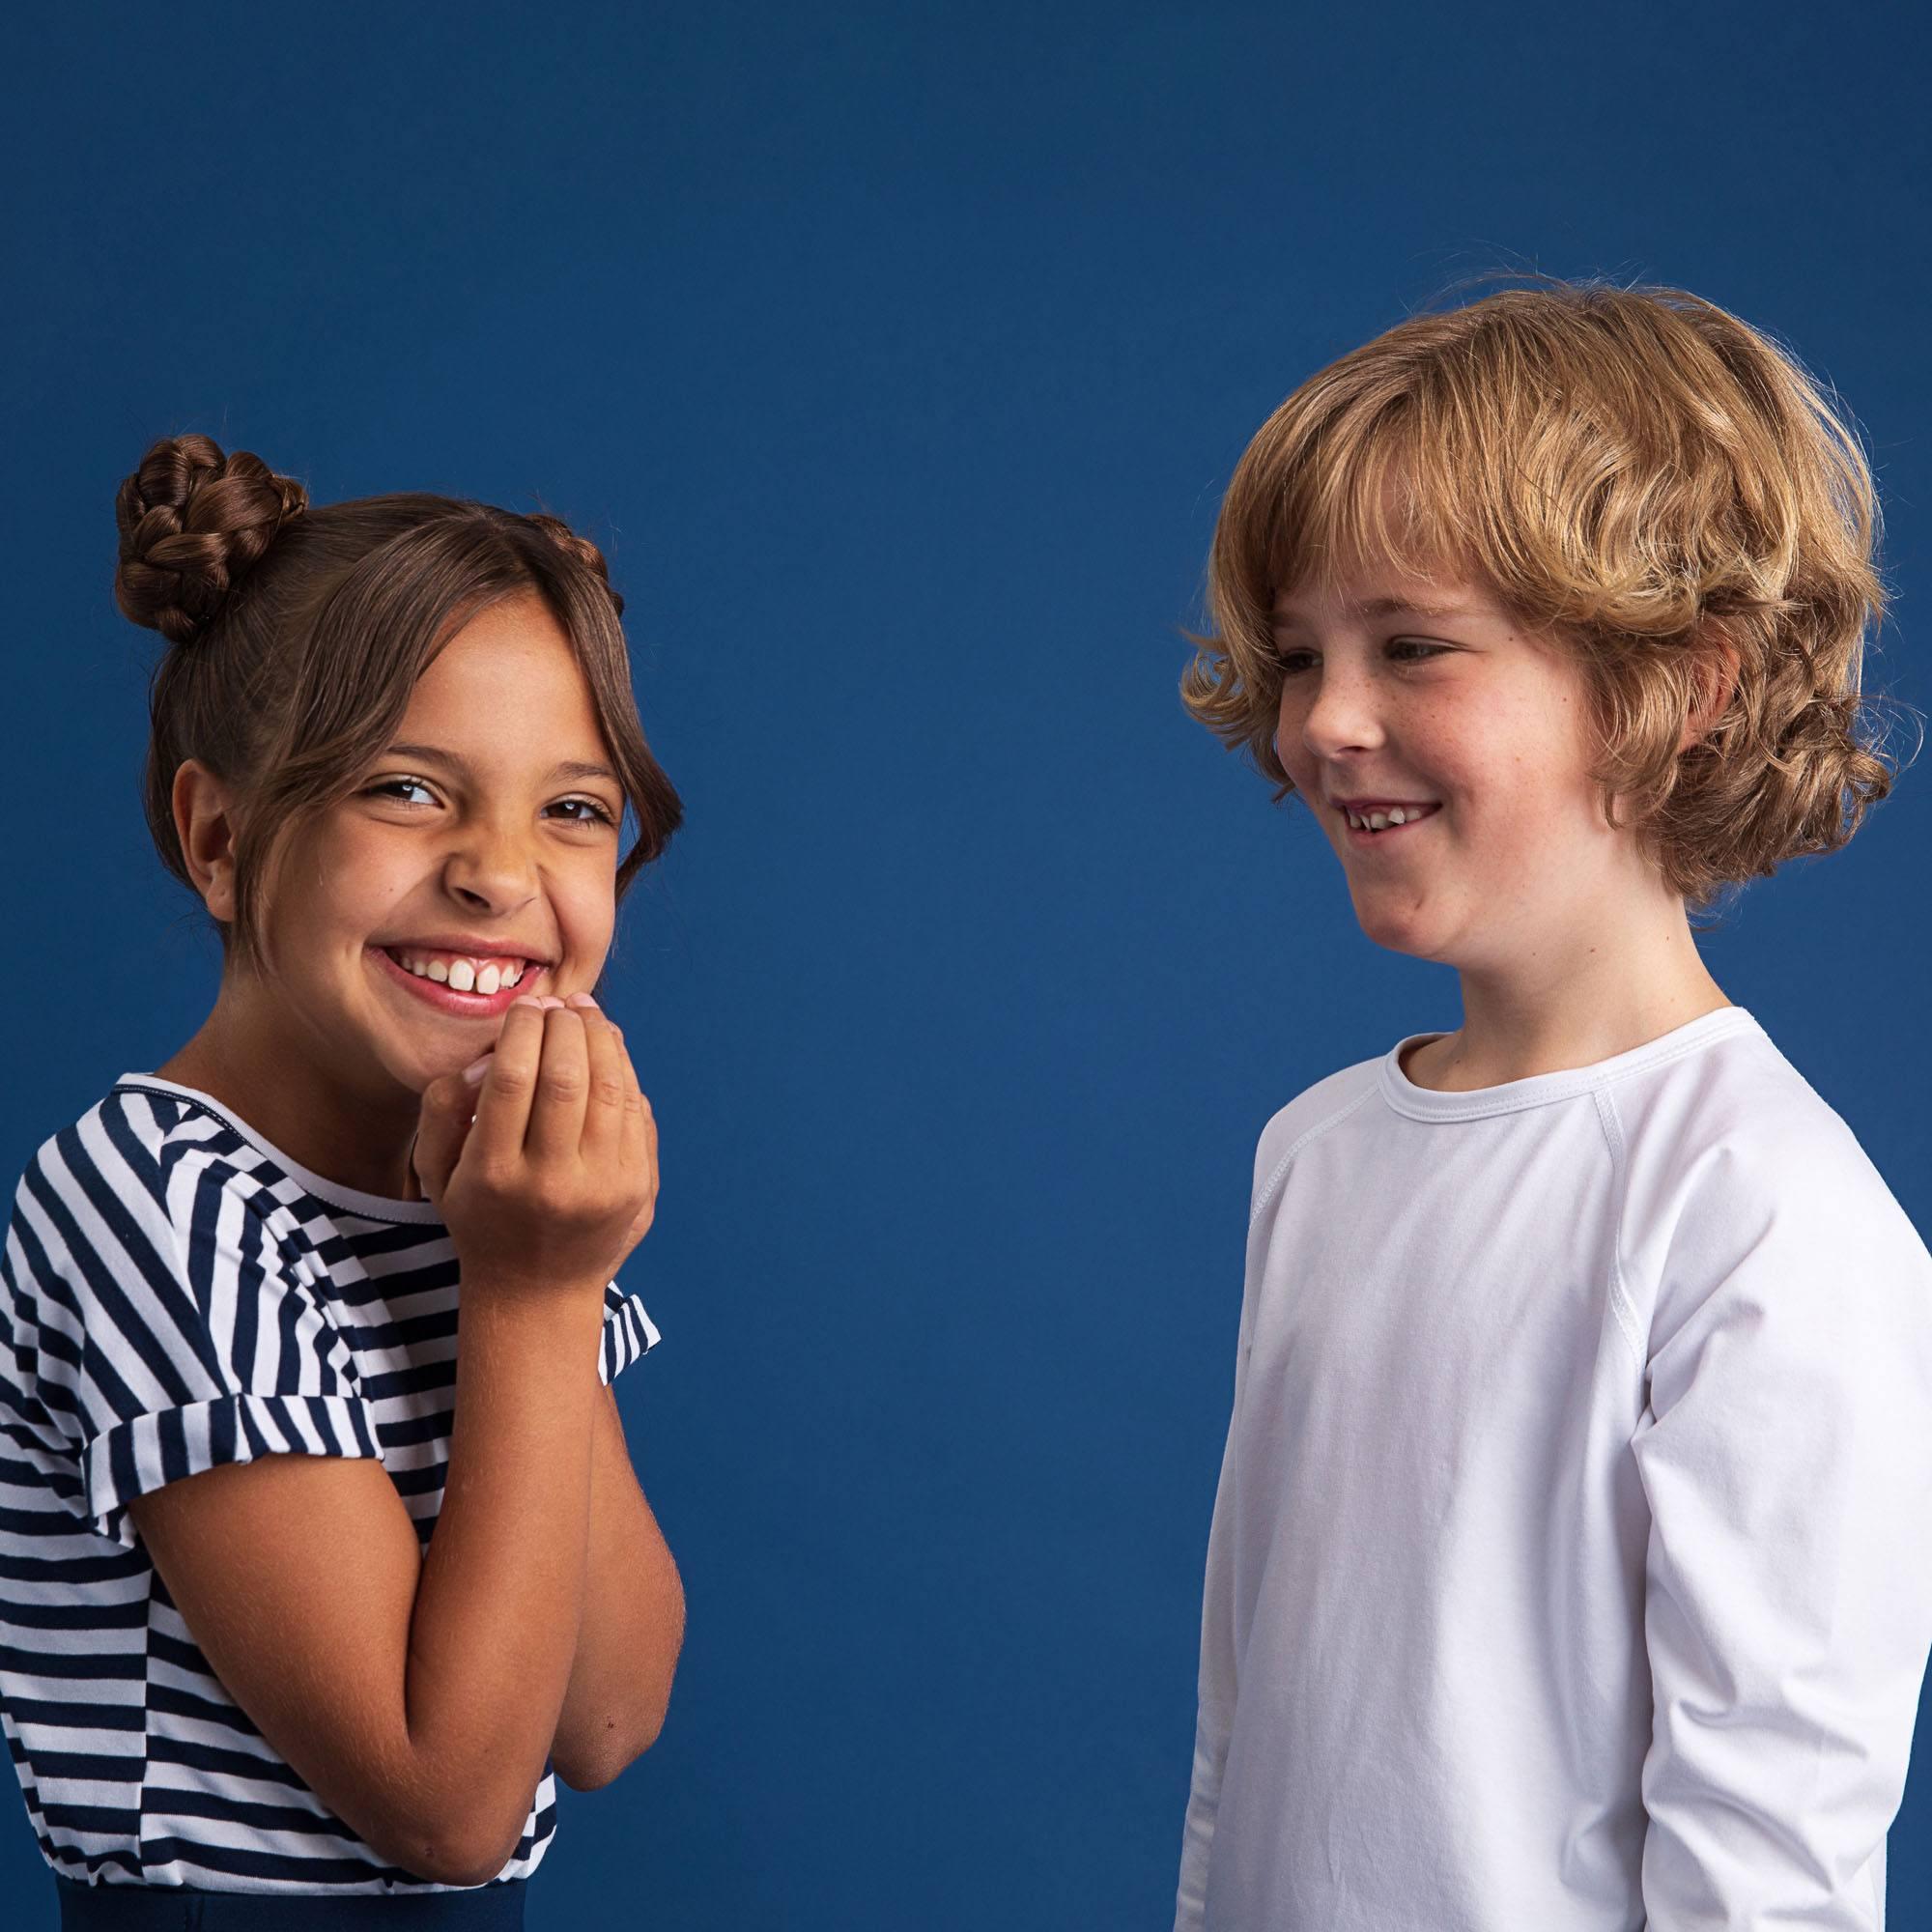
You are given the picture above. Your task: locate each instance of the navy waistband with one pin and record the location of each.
(170, 1908)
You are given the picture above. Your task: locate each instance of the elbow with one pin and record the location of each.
(447, 1859)
(647, 1718)
(655, 1702)
(610, 1764)
(468, 1844)
(471, 1863)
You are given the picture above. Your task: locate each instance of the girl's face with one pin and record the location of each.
(486, 837)
(1425, 691)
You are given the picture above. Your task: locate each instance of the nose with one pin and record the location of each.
(1330, 711)
(491, 867)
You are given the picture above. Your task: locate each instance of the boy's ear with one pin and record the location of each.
(1715, 683)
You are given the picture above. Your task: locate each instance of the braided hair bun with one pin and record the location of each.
(581, 549)
(192, 523)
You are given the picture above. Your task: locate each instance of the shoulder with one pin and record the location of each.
(1739, 1168)
(1739, 1123)
(133, 1175)
(1311, 1112)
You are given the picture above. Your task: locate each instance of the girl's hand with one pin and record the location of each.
(555, 1181)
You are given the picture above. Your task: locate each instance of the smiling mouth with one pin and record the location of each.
(463, 990)
(1375, 826)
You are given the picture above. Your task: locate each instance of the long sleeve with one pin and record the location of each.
(1215, 1716)
(1786, 1457)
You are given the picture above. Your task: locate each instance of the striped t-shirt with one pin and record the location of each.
(176, 1293)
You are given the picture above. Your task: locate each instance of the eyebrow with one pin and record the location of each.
(1385, 606)
(570, 768)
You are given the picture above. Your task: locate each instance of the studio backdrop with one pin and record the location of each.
(898, 360)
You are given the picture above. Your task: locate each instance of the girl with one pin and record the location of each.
(309, 1589)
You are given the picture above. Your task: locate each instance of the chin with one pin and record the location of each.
(1412, 936)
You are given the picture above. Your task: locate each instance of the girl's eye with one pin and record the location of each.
(1405, 651)
(390, 788)
(598, 815)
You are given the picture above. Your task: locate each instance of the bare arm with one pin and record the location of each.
(501, 1596)
(633, 1623)
(417, 1694)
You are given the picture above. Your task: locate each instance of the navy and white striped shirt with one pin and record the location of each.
(176, 1293)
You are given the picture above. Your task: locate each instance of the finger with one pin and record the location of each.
(603, 1103)
(640, 1150)
(635, 1143)
(556, 1130)
(441, 1128)
(504, 1099)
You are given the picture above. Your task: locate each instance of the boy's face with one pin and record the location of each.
(1425, 691)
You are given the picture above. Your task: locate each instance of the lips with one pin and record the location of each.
(1363, 836)
(447, 1000)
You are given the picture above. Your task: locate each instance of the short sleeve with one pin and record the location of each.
(1786, 1458)
(628, 1334)
(168, 1318)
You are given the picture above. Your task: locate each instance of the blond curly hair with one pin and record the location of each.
(1639, 476)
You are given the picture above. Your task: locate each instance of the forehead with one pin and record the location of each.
(512, 646)
(1368, 595)
(508, 682)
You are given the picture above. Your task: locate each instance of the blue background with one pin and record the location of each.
(898, 357)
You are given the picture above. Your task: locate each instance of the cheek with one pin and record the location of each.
(1288, 744)
(586, 913)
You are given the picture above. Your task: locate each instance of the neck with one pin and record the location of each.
(1560, 1006)
(337, 1117)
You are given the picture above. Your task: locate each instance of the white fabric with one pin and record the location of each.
(1571, 1565)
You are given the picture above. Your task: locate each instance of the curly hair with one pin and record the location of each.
(1647, 480)
(298, 633)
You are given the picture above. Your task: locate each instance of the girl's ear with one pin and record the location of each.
(1716, 683)
(203, 822)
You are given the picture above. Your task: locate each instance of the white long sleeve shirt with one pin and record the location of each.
(1571, 1564)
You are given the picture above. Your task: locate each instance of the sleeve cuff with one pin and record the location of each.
(148, 1451)
(628, 1334)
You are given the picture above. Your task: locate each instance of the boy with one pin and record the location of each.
(1569, 1564)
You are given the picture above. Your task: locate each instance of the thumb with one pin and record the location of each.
(448, 1109)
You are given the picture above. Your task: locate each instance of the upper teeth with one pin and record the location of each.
(464, 974)
(1377, 820)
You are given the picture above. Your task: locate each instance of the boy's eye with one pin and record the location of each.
(1404, 650)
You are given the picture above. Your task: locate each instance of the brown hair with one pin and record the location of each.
(1633, 472)
(297, 634)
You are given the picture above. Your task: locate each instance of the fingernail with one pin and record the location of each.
(527, 1000)
(584, 997)
(476, 1071)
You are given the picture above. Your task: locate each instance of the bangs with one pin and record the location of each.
(1375, 490)
(1637, 475)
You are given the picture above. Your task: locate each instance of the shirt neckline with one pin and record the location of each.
(1509, 1097)
(352, 1199)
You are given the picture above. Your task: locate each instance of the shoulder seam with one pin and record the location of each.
(1736, 1031)
(1621, 1305)
(190, 1106)
(1266, 1192)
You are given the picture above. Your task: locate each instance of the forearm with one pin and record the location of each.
(501, 1597)
(633, 1621)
